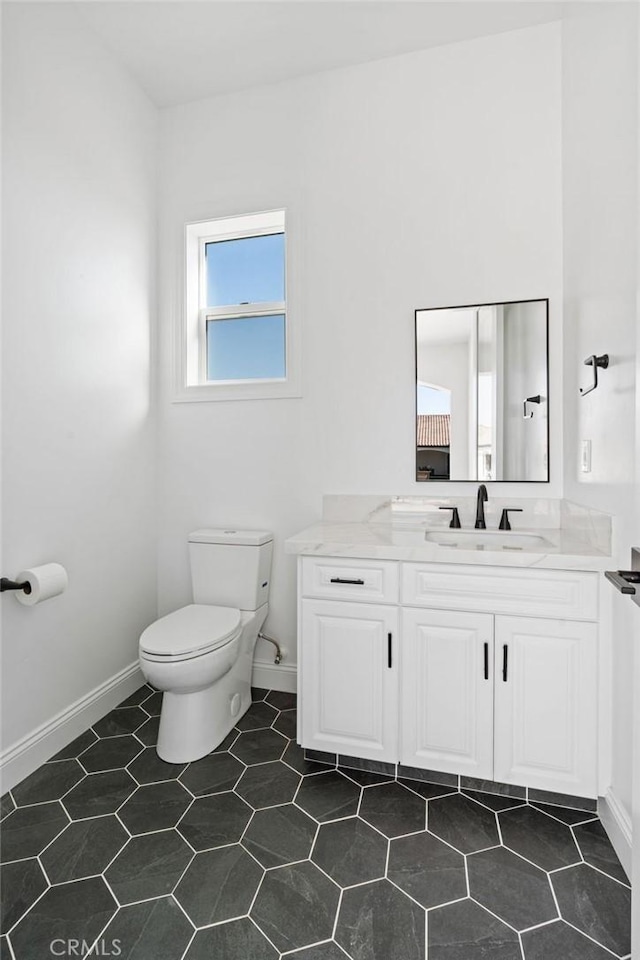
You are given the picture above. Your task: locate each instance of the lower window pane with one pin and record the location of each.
(247, 348)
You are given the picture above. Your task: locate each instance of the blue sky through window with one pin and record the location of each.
(246, 270)
(247, 348)
(433, 399)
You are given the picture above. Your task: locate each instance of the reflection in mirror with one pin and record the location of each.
(482, 392)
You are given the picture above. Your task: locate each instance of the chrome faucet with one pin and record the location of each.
(483, 496)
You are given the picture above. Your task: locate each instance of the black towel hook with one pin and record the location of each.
(536, 399)
(595, 362)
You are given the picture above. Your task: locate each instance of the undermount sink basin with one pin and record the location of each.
(485, 539)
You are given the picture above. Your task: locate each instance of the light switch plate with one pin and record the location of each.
(585, 456)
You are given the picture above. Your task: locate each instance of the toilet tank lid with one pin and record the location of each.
(244, 538)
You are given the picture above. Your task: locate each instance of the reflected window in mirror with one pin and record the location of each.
(482, 382)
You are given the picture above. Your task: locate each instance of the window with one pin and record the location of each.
(238, 340)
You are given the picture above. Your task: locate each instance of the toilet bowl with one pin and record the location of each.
(201, 656)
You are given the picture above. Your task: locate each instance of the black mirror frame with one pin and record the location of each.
(471, 306)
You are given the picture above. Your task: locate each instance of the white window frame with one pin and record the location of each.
(191, 354)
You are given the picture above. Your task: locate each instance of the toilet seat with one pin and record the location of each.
(190, 632)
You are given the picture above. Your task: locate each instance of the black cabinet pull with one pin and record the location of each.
(389, 651)
(357, 583)
(505, 654)
(486, 661)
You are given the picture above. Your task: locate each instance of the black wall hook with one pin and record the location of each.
(536, 399)
(595, 362)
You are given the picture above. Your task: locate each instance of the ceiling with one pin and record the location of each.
(183, 51)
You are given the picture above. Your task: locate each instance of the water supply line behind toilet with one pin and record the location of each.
(278, 658)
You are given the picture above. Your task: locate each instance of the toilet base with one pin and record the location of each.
(193, 724)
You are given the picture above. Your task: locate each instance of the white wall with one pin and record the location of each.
(418, 181)
(79, 181)
(525, 375)
(635, 878)
(600, 207)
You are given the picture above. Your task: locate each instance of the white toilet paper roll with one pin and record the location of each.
(46, 581)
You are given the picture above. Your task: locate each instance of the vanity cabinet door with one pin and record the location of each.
(349, 679)
(447, 692)
(546, 704)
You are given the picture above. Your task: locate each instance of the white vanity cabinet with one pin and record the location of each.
(545, 704)
(512, 699)
(447, 691)
(489, 672)
(350, 689)
(349, 677)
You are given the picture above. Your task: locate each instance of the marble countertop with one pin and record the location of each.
(558, 548)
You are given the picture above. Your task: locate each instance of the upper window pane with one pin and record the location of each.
(246, 270)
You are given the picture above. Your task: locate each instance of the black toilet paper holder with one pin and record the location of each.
(6, 584)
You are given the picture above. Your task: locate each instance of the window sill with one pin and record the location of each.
(214, 392)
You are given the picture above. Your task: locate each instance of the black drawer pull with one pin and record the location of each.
(486, 661)
(357, 583)
(389, 651)
(505, 654)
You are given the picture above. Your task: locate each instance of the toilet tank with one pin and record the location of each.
(231, 568)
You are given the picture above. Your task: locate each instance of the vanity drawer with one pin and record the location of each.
(334, 579)
(561, 594)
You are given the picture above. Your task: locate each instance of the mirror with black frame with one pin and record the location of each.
(482, 391)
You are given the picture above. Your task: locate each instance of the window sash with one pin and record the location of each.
(221, 238)
(238, 312)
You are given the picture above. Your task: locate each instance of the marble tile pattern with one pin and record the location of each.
(539, 513)
(258, 852)
(393, 528)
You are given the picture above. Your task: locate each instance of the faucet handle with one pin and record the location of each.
(504, 519)
(455, 517)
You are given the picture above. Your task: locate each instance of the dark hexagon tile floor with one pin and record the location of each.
(155, 806)
(393, 810)
(215, 821)
(257, 853)
(280, 835)
(511, 888)
(541, 839)
(350, 851)
(378, 922)
(157, 929)
(49, 782)
(328, 796)
(149, 866)
(296, 906)
(466, 931)
(84, 849)
(219, 885)
(268, 784)
(427, 869)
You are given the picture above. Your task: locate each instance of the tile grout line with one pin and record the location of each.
(589, 937)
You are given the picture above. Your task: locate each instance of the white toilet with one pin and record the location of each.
(201, 656)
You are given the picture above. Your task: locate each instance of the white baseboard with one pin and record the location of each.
(617, 823)
(25, 756)
(274, 676)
